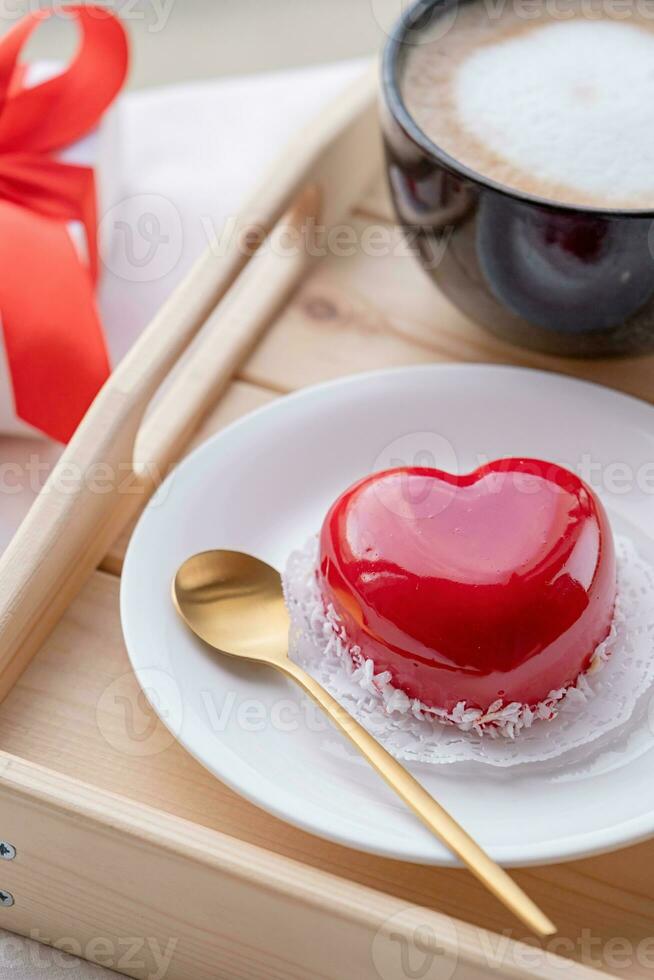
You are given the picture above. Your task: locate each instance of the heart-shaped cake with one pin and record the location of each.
(493, 586)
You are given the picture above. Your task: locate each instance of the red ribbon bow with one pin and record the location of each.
(52, 332)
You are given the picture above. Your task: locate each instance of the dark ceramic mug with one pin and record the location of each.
(558, 278)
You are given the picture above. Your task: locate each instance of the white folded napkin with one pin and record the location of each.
(191, 155)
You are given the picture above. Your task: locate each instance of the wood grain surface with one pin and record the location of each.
(78, 710)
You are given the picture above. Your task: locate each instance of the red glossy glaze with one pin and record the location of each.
(496, 584)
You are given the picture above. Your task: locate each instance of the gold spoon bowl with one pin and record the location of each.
(235, 603)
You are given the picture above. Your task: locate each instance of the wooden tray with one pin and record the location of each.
(126, 849)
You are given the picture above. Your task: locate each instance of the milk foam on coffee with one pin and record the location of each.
(563, 110)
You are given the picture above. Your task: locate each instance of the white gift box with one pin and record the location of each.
(100, 150)
(225, 133)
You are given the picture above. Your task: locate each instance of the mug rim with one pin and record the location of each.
(394, 99)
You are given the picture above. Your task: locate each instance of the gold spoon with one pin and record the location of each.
(235, 604)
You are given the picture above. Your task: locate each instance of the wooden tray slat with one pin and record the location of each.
(359, 312)
(239, 399)
(255, 914)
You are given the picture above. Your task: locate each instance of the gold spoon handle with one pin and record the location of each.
(425, 806)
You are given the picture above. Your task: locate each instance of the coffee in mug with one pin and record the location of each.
(556, 102)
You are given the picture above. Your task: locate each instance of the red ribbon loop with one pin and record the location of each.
(52, 332)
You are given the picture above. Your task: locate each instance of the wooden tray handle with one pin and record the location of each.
(97, 487)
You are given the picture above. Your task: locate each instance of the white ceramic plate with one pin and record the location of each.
(263, 486)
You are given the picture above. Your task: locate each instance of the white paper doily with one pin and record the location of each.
(601, 702)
